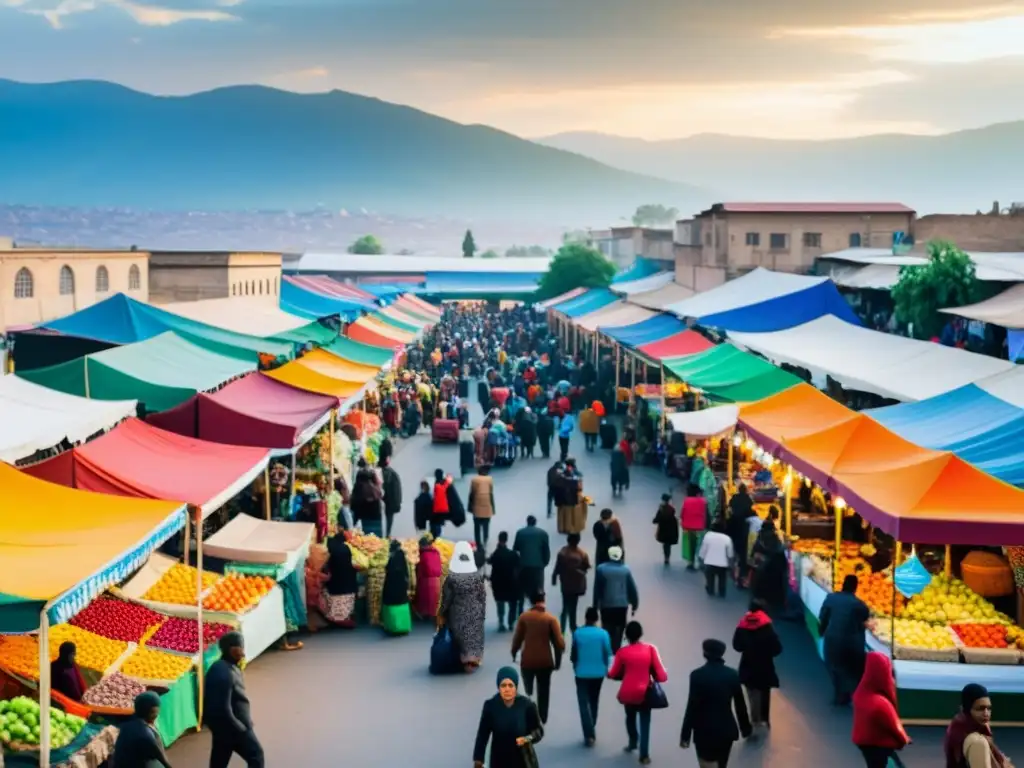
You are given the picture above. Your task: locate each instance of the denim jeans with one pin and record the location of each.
(641, 715)
(481, 531)
(375, 527)
(568, 615)
(436, 528)
(588, 696)
(543, 679)
(589, 441)
(509, 608)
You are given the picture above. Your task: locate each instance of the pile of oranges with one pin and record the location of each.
(178, 586)
(149, 664)
(981, 635)
(877, 590)
(19, 654)
(236, 593)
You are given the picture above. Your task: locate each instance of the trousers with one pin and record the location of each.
(614, 621)
(543, 679)
(227, 742)
(588, 696)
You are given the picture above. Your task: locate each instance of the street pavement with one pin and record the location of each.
(361, 698)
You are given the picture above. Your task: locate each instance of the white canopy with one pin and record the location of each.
(1006, 309)
(870, 361)
(1008, 386)
(662, 297)
(34, 418)
(561, 297)
(879, 277)
(260, 541)
(753, 288)
(711, 422)
(614, 315)
(242, 315)
(651, 283)
(989, 267)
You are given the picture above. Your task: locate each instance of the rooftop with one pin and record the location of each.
(851, 208)
(322, 263)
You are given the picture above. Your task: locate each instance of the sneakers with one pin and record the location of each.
(589, 742)
(645, 761)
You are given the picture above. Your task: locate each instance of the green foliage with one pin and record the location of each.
(652, 215)
(527, 251)
(575, 266)
(576, 236)
(490, 253)
(948, 280)
(367, 244)
(468, 245)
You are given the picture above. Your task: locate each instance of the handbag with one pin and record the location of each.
(529, 756)
(654, 697)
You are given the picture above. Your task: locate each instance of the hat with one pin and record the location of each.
(230, 640)
(508, 673)
(145, 703)
(713, 649)
(615, 553)
(970, 694)
(462, 559)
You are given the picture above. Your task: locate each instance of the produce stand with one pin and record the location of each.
(90, 749)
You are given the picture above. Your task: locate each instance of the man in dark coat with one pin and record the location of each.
(545, 431)
(842, 622)
(504, 578)
(227, 708)
(554, 479)
(741, 509)
(534, 549)
(715, 691)
(138, 744)
(526, 429)
(391, 484)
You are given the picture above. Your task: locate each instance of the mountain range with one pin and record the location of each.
(957, 172)
(89, 143)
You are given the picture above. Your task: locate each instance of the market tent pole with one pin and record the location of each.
(789, 504)
(665, 416)
(291, 492)
(947, 566)
(266, 490)
(839, 530)
(44, 687)
(597, 349)
(632, 377)
(618, 363)
(200, 672)
(898, 557)
(728, 471)
(85, 370)
(187, 556)
(330, 447)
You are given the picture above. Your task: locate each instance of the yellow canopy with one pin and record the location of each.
(325, 374)
(386, 330)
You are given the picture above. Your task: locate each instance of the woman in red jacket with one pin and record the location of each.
(635, 664)
(442, 483)
(877, 729)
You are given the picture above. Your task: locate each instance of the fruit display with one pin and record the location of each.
(117, 620)
(91, 651)
(237, 593)
(115, 692)
(880, 594)
(827, 549)
(374, 593)
(19, 724)
(411, 548)
(446, 549)
(981, 635)
(178, 586)
(949, 600)
(148, 664)
(19, 655)
(182, 636)
(910, 633)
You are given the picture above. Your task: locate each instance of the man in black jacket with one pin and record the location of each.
(714, 691)
(227, 708)
(533, 546)
(392, 486)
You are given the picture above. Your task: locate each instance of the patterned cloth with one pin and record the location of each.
(464, 606)
(1016, 557)
(337, 609)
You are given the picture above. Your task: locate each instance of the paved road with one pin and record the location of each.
(360, 698)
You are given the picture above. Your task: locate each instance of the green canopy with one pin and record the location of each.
(396, 323)
(728, 373)
(357, 352)
(314, 332)
(160, 373)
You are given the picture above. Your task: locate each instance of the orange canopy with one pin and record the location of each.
(369, 336)
(388, 331)
(416, 301)
(325, 374)
(915, 494)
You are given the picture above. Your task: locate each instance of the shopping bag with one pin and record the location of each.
(456, 509)
(444, 655)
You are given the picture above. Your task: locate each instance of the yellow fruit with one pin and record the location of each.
(19, 654)
(91, 651)
(148, 664)
(178, 586)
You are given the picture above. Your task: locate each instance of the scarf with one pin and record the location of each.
(754, 620)
(960, 727)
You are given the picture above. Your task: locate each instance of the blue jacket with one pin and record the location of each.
(566, 425)
(591, 652)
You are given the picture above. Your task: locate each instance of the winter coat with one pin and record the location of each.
(715, 691)
(758, 645)
(481, 497)
(614, 586)
(539, 636)
(589, 422)
(396, 579)
(620, 468)
(635, 664)
(668, 525)
(504, 564)
(606, 536)
(428, 581)
(534, 547)
(392, 485)
(501, 726)
(694, 515)
(441, 497)
(876, 722)
(545, 426)
(571, 566)
(423, 509)
(526, 429)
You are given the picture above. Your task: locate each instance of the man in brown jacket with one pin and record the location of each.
(540, 638)
(571, 567)
(481, 505)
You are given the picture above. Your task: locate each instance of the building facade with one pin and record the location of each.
(176, 276)
(41, 284)
(622, 245)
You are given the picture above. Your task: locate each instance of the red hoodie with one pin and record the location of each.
(875, 720)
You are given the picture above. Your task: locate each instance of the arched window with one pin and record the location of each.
(23, 284)
(134, 278)
(855, 240)
(102, 280)
(67, 281)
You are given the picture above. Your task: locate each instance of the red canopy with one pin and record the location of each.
(253, 410)
(360, 333)
(678, 345)
(136, 459)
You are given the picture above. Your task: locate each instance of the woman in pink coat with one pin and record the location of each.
(635, 665)
(428, 579)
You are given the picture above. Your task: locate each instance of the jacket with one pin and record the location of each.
(565, 426)
(758, 644)
(635, 664)
(875, 720)
(694, 514)
(614, 587)
(716, 549)
(504, 564)
(392, 486)
(589, 422)
(668, 525)
(591, 652)
(841, 621)
(227, 705)
(138, 746)
(539, 636)
(534, 548)
(715, 691)
(606, 536)
(571, 567)
(501, 726)
(423, 508)
(441, 497)
(481, 496)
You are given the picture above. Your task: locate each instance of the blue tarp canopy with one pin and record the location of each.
(653, 329)
(639, 269)
(763, 301)
(390, 291)
(481, 283)
(980, 428)
(591, 301)
(305, 303)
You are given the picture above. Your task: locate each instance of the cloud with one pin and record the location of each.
(145, 14)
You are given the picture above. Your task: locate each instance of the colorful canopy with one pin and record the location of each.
(394, 320)
(639, 269)
(709, 422)
(654, 328)
(325, 374)
(591, 301)
(140, 460)
(727, 373)
(662, 297)
(678, 345)
(914, 494)
(481, 283)
(161, 372)
(383, 329)
(400, 315)
(34, 418)
(327, 286)
(567, 296)
(254, 410)
(420, 305)
(248, 315)
(763, 301)
(614, 315)
(300, 300)
(644, 284)
(871, 361)
(67, 546)
(362, 354)
(368, 336)
(413, 311)
(1006, 309)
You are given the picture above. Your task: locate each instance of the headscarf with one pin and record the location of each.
(145, 703)
(615, 553)
(342, 579)
(508, 673)
(462, 559)
(963, 725)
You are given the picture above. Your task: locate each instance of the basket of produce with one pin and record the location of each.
(918, 641)
(237, 593)
(21, 725)
(118, 620)
(986, 644)
(181, 636)
(155, 668)
(114, 695)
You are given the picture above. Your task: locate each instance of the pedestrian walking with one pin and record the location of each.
(464, 606)
(607, 533)
(337, 599)
(526, 431)
(505, 586)
(694, 520)
(842, 622)
(441, 508)
(423, 507)
(554, 478)
(391, 485)
(572, 508)
(511, 725)
(227, 709)
(637, 665)
(540, 639)
(877, 730)
(428, 579)
(968, 742)
(571, 566)
(667, 531)
(590, 424)
(138, 744)
(534, 549)
(770, 575)
(716, 713)
(614, 593)
(481, 505)
(566, 425)
(396, 616)
(716, 553)
(366, 500)
(741, 509)
(545, 430)
(591, 657)
(758, 644)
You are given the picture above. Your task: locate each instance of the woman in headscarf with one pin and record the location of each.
(620, 471)
(877, 730)
(138, 744)
(428, 579)
(607, 533)
(464, 605)
(65, 676)
(968, 742)
(511, 724)
(338, 597)
(395, 615)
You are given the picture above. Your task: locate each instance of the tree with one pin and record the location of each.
(527, 251)
(652, 215)
(575, 266)
(947, 280)
(468, 245)
(490, 253)
(367, 244)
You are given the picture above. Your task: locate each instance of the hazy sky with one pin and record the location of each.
(649, 68)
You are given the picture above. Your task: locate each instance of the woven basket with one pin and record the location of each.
(1005, 656)
(908, 653)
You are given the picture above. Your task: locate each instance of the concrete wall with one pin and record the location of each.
(196, 276)
(973, 233)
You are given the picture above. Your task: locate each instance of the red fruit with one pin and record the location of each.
(116, 619)
(181, 635)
